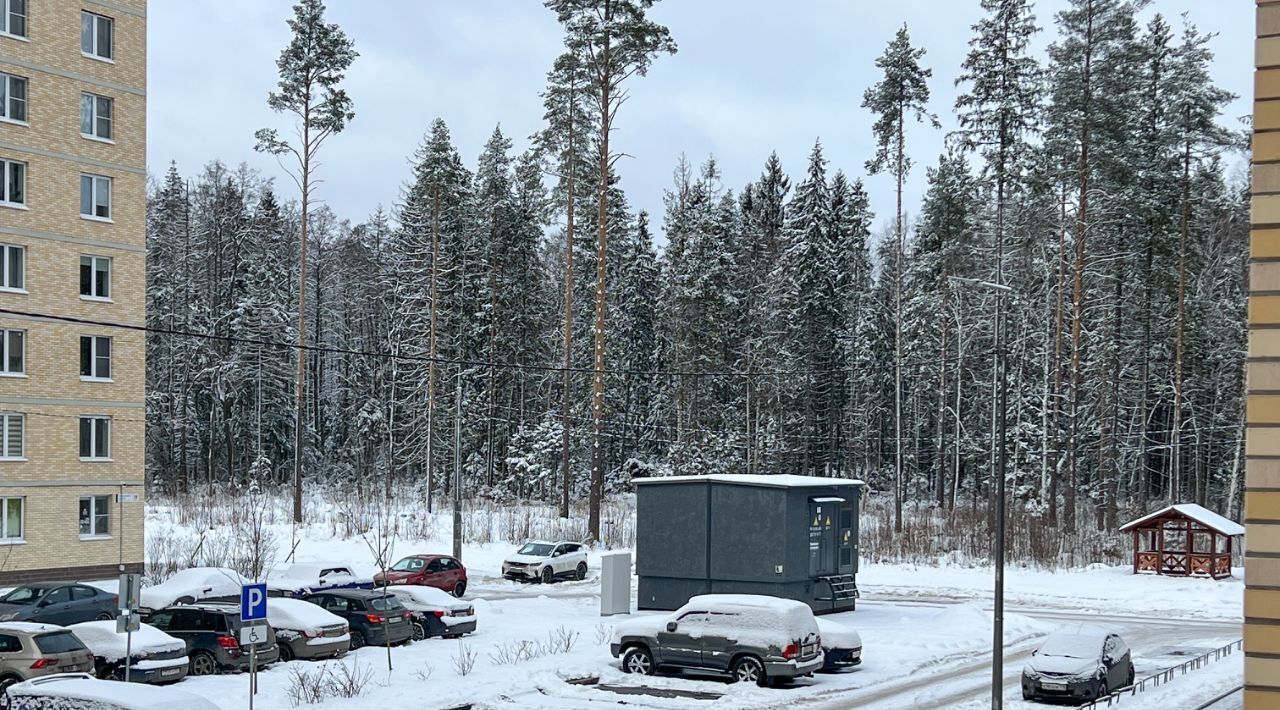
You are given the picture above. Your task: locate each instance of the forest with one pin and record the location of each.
(510, 325)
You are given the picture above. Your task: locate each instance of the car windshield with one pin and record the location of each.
(388, 604)
(536, 549)
(23, 595)
(1072, 646)
(59, 642)
(409, 564)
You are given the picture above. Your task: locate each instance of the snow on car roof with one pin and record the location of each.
(127, 695)
(29, 627)
(784, 619)
(299, 615)
(777, 480)
(307, 570)
(1083, 643)
(101, 638)
(429, 596)
(1200, 514)
(758, 601)
(195, 582)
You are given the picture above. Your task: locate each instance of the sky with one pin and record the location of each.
(750, 77)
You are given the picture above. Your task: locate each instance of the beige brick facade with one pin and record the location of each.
(51, 477)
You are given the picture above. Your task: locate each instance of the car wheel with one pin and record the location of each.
(104, 616)
(749, 669)
(638, 660)
(1102, 690)
(357, 640)
(459, 589)
(203, 663)
(582, 571)
(547, 575)
(419, 631)
(1130, 676)
(286, 652)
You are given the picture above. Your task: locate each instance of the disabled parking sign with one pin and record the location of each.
(253, 602)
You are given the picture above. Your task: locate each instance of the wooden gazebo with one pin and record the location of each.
(1184, 540)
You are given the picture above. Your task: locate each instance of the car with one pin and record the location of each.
(307, 632)
(841, 646)
(30, 650)
(439, 571)
(750, 638)
(376, 617)
(58, 603)
(153, 655)
(539, 560)
(1082, 664)
(194, 584)
(81, 691)
(299, 580)
(211, 631)
(435, 613)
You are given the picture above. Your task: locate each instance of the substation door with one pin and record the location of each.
(824, 522)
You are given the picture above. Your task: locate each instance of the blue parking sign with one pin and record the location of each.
(253, 602)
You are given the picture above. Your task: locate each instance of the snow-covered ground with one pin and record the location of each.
(926, 634)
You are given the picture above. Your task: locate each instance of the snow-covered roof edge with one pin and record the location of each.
(1198, 513)
(777, 480)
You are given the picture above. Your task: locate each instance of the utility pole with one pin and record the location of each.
(457, 467)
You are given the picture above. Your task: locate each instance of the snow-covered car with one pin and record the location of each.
(299, 580)
(750, 638)
(153, 655)
(305, 631)
(841, 645)
(546, 561)
(192, 585)
(1082, 664)
(435, 613)
(81, 691)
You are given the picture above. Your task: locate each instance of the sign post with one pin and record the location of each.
(253, 608)
(128, 594)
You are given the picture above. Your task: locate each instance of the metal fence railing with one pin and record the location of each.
(1157, 679)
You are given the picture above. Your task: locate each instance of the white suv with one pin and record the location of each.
(546, 561)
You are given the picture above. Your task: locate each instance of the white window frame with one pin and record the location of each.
(5, 343)
(5, 419)
(94, 513)
(94, 51)
(6, 106)
(4, 517)
(95, 116)
(5, 198)
(94, 262)
(95, 421)
(96, 183)
(7, 13)
(6, 253)
(94, 357)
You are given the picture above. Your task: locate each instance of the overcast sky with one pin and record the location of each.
(750, 76)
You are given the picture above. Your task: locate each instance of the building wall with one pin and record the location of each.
(51, 395)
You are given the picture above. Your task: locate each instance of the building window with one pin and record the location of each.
(13, 17)
(95, 116)
(95, 438)
(13, 183)
(95, 196)
(11, 436)
(95, 357)
(11, 514)
(95, 516)
(11, 351)
(12, 267)
(13, 97)
(95, 276)
(95, 35)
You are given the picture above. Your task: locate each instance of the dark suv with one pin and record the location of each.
(212, 634)
(376, 617)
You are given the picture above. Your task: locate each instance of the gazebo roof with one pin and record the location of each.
(1200, 514)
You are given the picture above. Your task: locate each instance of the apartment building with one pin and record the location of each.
(72, 265)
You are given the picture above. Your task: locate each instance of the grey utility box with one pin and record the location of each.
(794, 537)
(615, 583)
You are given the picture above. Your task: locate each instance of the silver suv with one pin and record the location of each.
(754, 639)
(32, 650)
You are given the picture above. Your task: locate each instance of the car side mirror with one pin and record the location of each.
(43, 603)
(671, 626)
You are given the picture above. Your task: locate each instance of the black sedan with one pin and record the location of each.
(1077, 665)
(60, 603)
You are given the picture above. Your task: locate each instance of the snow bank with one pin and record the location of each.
(101, 638)
(110, 692)
(197, 583)
(298, 615)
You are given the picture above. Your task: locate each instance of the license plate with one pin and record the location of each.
(395, 619)
(1054, 686)
(170, 671)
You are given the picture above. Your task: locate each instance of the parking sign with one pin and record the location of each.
(253, 602)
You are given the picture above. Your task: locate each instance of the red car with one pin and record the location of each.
(439, 571)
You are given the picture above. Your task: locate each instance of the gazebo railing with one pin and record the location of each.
(1167, 675)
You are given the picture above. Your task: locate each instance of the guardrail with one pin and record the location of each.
(1165, 676)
